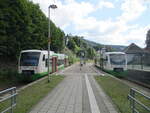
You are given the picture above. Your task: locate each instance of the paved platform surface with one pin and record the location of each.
(77, 93)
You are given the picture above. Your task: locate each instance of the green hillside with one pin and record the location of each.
(98, 46)
(24, 26)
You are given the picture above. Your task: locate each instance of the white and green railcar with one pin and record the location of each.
(116, 61)
(34, 63)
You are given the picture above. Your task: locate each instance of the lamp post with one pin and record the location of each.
(49, 38)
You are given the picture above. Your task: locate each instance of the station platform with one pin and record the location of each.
(77, 93)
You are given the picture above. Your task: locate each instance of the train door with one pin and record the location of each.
(54, 64)
(43, 64)
(65, 62)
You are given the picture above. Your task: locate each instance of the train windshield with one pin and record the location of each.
(29, 59)
(117, 59)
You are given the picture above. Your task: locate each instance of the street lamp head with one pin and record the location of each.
(53, 6)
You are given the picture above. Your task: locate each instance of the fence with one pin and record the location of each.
(134, 101)
(8, 94)
(138, 62)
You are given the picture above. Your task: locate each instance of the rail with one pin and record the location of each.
(6, 95)
(134, 101)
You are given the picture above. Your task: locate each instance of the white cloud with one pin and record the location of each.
(71, 12)
(137, 35)
(105, 4)
(116, 31)
(132, 9)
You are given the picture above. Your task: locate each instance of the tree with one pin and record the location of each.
(71, 45)
(24, 26)
(91, 53)
(148, 39)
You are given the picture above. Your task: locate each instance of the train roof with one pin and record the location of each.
(60, 56)
(52, 53)
(36, 50)
(108, 53)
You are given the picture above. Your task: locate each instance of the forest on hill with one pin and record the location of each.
(24, 26)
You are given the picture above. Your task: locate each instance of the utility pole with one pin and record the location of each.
(49, 38)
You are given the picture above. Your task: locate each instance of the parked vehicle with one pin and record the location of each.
(116, 61)
(33, 64)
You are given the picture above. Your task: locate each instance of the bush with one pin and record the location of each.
(10, 74)
(73, 59)
(71, 56)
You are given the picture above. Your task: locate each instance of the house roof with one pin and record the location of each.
(133, 49)
(115, 53)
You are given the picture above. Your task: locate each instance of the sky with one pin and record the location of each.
(112, 22)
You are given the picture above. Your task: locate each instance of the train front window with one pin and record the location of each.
(117, 59)
(29, 59)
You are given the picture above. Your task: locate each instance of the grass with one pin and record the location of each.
(9, 77)
(118, 92)
(117, 74)
(28, 97)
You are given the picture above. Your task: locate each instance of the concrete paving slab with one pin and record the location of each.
(72, 96)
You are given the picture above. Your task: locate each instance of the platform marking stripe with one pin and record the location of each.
(93, 103)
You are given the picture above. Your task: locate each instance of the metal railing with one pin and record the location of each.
(134, 101)
(6, 95)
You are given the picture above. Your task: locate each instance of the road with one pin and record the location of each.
(77, 93)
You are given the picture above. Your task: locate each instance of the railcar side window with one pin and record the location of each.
(46, 63)
(43, 57)
(60, 62)
(106, 58)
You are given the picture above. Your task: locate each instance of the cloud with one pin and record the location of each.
(105, 4)
(118, 30)
(136, 35)
(71, 12)
(132, 9)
